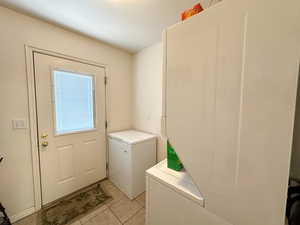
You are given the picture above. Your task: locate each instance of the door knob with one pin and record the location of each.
(45, 144)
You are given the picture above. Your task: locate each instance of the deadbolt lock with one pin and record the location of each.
(43, 136)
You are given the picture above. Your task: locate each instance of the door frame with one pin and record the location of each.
(32, 109)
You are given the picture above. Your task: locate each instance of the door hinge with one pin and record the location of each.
(106, 124)
(107, 166)
(105, 80)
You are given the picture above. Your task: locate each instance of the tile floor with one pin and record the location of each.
(120, 210)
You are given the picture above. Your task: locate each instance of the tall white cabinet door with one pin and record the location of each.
(71, 125)
(204, 78)
(230, 99)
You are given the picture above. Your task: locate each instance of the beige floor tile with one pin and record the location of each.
(105, 183)
(76, 223)
(125, 209)
(93, 214)
(114, 192)
(29, 220)
(138, 219)
(104, 218)
(100, 209)
(141, 199)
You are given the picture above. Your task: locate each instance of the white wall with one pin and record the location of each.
(147, 92)
(16, 182)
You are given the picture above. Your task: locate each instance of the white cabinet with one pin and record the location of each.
(131, 153)
(230, 92)
(172, 198)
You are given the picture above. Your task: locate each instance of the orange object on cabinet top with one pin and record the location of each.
(190, 12)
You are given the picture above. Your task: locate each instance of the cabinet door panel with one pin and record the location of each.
(204, 85)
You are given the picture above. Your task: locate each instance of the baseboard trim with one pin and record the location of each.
(22, 214)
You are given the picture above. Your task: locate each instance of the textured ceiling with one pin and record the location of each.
(128, 24)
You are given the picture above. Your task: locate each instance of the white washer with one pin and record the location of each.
(131, 153)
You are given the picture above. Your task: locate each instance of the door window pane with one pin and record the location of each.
(73, 102)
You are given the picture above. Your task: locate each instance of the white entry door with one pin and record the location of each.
(71, 125)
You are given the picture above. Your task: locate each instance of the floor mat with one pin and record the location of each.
(73, 206)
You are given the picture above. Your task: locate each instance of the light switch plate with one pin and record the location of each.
(19, 124)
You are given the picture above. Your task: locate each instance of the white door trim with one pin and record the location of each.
(29, 52)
